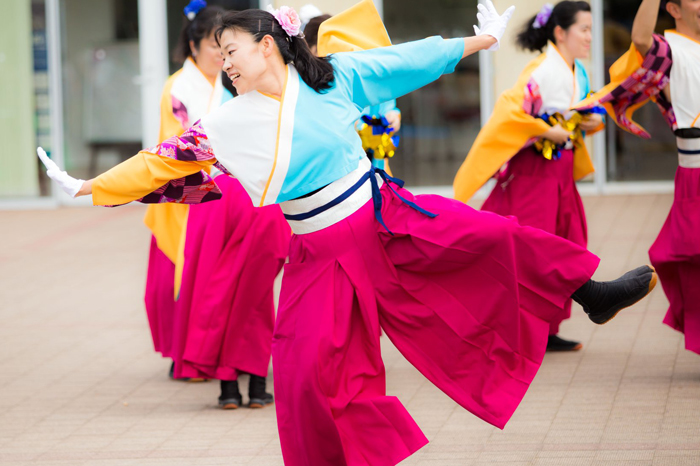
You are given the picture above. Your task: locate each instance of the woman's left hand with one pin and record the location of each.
(491, 23)
(591, 121)
(72, 186)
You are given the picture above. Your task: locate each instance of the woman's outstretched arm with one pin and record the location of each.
(177, 161)
(374, 76)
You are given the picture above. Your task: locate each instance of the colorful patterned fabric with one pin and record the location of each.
(644, 84)
(532, 102)
(192, 145)
(180, 112)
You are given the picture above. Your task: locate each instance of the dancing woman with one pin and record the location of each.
(466, 296)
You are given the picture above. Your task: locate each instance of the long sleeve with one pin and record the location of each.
(371, 77)
(170, 172)
(634, 80)
(389, 106)
(512, 124)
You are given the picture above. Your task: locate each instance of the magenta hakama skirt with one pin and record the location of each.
(542, 193)
(676, 256)
(225, 312)
(466, 297)
(160, 299)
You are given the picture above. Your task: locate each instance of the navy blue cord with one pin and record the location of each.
(376, 198)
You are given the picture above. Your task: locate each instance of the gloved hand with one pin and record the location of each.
(491, 23)
(69, 184)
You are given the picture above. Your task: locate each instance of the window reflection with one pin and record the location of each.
(441, 120)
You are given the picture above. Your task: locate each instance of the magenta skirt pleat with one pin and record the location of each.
(225, 312)
(466, 297)
(159, 299)
(542, 193)
(676, 256)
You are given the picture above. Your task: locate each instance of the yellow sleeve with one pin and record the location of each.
(141, 175)
(623, 68)
(506, 132)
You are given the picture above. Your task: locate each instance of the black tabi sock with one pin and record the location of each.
(603, 300)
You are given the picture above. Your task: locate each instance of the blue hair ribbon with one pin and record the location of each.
(193, 8)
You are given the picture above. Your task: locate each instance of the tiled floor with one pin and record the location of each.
(80, 384)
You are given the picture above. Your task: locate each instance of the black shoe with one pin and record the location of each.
(603, 300)
(171, 372)
(257, 394)
(230, 395)
(556, 343)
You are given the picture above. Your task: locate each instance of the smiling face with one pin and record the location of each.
(577, 39)
(208, 56)
(245, 61)
(687, 16)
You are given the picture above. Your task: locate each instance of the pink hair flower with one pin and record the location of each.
(288, 19)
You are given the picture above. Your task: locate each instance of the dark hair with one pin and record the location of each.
(206, 21)
(317, 72)
(563, 15)
(311, 29)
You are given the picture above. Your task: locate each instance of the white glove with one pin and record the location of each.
(491, 23)
(67, 183)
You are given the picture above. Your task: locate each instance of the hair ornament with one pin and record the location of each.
(543, 16)
(193, 8)
(288, 19)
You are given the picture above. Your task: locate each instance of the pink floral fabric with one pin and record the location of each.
(192, 145)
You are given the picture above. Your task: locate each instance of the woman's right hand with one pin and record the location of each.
(70, 185)
(557, 134)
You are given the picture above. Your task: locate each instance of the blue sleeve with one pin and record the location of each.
(381, 109)
(388, 106)
(374, 76)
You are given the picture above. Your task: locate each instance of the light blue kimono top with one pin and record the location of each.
(283, 149)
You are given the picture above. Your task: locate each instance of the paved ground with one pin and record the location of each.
(80, 384)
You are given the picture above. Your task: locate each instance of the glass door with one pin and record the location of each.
(441, 120)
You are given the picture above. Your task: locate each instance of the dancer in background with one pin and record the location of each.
(666, 70)
(464, 295)
(189, 94)
(534, 132)
(378, 124)
(217, 330)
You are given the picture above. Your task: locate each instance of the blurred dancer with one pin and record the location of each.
(217, 331)
(378, 124)
(666, 69)
(534, 132)
(189, 94)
